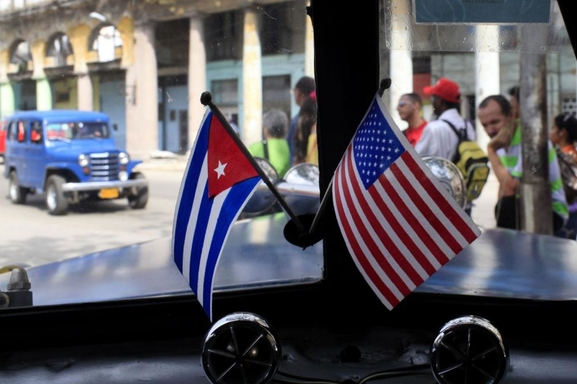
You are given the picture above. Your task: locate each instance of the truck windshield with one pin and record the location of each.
(81, 130)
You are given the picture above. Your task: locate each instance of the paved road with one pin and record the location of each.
(30, 236)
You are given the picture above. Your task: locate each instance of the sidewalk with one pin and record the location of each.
(482, 212)
(164, 161)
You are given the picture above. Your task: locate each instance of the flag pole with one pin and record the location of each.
(384, 84)
(322, 207)
(206, 100)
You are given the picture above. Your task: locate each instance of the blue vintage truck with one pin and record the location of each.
(70, 156)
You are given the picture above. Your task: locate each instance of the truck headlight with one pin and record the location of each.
(83, 160)
(123, 175)
(123, 158)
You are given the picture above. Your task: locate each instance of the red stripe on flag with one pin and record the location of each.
(407, 240)
(447, 209)
(381, 232)
(356, 250)
(368, 240)
(415, 223)
(423, 207)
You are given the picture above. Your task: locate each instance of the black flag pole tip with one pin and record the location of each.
(206, 98)
(385, 84)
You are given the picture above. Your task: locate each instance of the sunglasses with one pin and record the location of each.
(402, 103)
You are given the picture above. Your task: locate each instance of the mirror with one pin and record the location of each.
(304, 173)
(262, 200)
(449, 176)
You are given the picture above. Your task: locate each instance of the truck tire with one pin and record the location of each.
(139, 200)
(56, 202)
(16, 192)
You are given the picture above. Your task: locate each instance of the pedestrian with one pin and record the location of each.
(274, 146)
(410, 110)
(302, 89)
(306, 150)
(438, 138)
(563, 135)
(506, 158)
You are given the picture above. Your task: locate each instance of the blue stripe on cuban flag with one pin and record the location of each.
(202, 222)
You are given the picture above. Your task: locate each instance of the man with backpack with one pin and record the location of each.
(439, 138)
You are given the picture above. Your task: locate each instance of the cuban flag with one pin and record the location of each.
(217, 183)
(400, 224)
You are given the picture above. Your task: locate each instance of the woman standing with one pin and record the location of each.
(306, 132)
(564, 136)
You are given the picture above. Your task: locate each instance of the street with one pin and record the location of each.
(30, 236)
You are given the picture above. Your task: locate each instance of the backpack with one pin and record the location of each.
(568, 169)
(471, 161)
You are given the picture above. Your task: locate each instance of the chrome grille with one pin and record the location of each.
(104, 166)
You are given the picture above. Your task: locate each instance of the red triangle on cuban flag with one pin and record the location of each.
(227, 165)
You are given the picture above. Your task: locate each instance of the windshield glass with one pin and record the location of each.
(146, 64)
(77, 130)
(483, 49)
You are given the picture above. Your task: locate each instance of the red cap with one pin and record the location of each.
(445, 89)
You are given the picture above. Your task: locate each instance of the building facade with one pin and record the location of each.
(146, 63)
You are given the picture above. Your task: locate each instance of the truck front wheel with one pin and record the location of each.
(139, 200)
(16, 192)
(55, 200)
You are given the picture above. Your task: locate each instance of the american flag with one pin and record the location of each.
(217, 183)
(399, 223)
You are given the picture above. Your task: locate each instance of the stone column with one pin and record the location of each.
(142, 95)
(535, 190)
(252, 79)
(309, 47)
(43, 88)
(401, 60)
(79, 40)
(487, 71)
(196, 76)
(7, 103)
(84, 85)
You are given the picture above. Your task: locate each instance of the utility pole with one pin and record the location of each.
(536, 204)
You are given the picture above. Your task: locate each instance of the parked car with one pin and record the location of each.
(2, 139)
(71, 156)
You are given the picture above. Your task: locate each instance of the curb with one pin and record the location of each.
(163, 165)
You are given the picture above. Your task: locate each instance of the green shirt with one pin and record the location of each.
(278, 154)
(512, 160)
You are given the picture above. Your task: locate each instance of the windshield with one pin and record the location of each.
(146, 64)
(77, 130)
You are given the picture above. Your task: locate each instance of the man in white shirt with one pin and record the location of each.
(438, 137)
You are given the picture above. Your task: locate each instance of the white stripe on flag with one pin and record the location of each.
(192, 218)
(215, 211)
(456, 232)
(409, 228)
(420, 218)
(346, 210)
(386, 227)
(377, 237)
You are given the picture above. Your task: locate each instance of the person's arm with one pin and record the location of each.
(428, 144)
(508, 185)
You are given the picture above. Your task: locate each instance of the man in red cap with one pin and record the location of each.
(438, 138)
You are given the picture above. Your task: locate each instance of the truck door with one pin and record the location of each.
(15, 150)
(35, 154)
